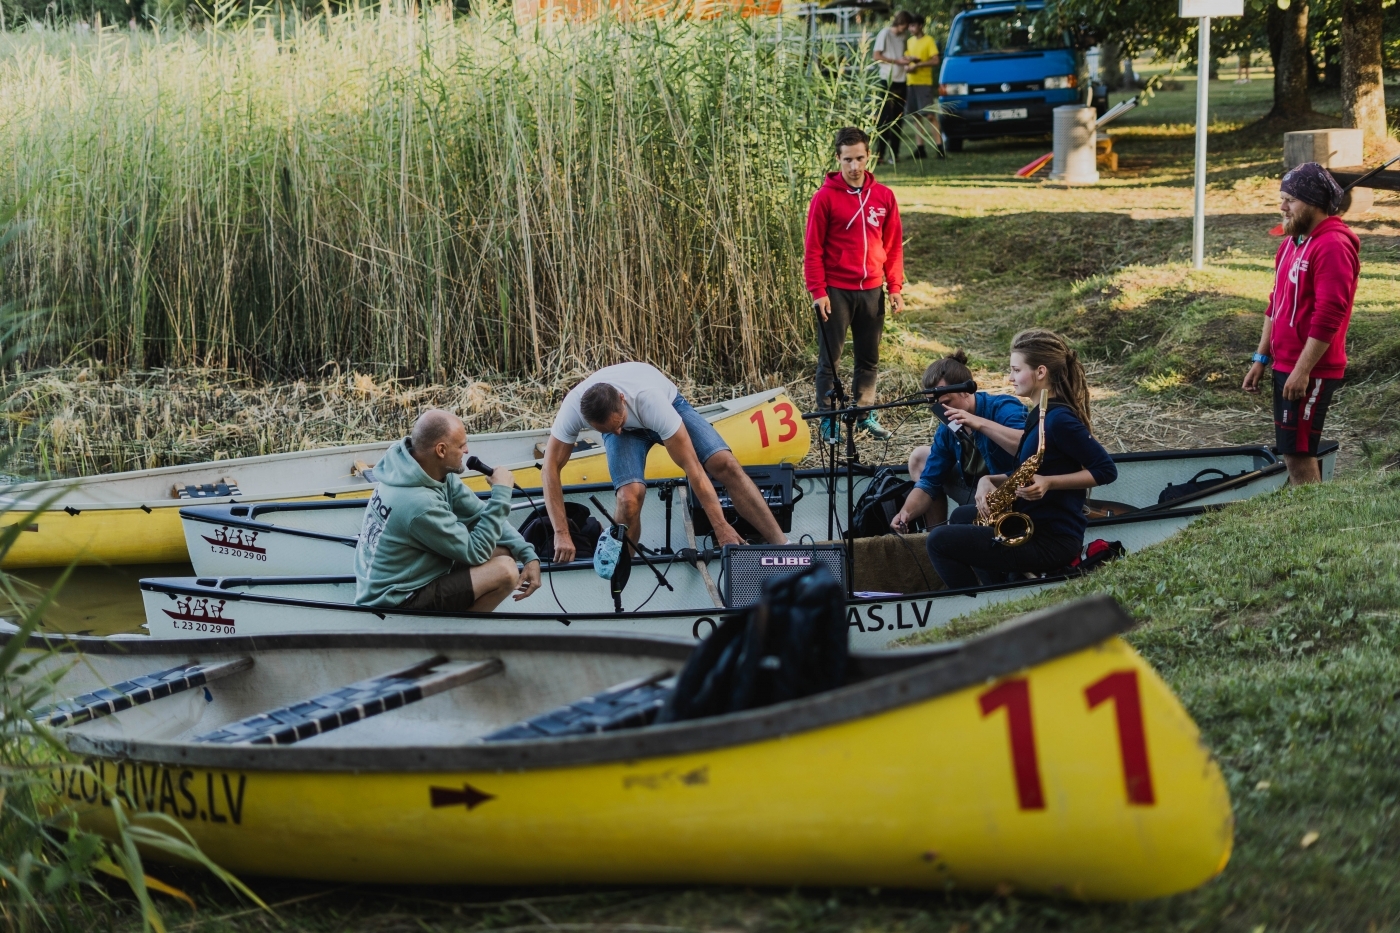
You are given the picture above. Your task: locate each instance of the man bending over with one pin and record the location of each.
(633, 405)
(427, 541)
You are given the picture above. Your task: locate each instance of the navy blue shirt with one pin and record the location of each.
(1069, 448)
(945, 454)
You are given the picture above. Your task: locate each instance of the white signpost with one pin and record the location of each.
(1204, 10)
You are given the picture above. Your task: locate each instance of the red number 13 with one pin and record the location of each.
(784, 411)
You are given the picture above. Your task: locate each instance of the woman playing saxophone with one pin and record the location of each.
(965, 553)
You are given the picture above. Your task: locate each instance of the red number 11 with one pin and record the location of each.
(1121, 687)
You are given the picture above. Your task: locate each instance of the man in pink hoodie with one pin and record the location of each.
(854, 250)
(1305, 327)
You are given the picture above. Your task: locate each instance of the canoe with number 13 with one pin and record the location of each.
(134, 517)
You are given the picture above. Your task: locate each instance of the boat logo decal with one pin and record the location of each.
(795, 560)
(870, 617)
(200, 614)
(209, 796)
(451, 797)
(237, 542)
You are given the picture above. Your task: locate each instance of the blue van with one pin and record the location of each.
(1001, 78)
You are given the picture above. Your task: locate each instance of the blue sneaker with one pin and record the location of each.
(831, 431)
(871, 425)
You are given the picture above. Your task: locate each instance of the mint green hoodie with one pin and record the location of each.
(415, 528)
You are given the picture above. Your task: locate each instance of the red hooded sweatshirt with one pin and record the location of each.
(1314, 286)
(854, 238)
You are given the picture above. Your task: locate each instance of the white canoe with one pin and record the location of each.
(318, 539)
(574, 599)
(133, 517)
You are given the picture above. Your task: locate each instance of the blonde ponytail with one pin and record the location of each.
(1046, 348)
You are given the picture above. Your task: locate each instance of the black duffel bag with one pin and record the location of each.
(1195, 484)
(538, 531)
(790, 644)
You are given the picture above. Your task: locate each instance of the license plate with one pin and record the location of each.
(1019, 113)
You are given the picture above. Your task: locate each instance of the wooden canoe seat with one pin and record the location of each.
(288, 724)
(630, 704)
(136, 691)
(579, 447)
(1106, 508)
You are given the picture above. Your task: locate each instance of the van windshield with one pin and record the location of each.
(1000, 32)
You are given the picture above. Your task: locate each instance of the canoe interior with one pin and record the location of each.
(535, 676)
(1141, 479)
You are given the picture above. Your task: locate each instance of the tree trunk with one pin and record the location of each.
(1111, 65)
(1363, 94)
(1291, 63)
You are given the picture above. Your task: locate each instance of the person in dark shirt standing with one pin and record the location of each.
(853, 251)
(1316, 271)
(965, 554)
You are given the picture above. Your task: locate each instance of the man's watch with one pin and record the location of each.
(1260, 358)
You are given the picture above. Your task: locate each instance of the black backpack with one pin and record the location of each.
(880, 502)
(538, 531)
(791, 644)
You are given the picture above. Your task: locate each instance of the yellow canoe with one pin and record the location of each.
(1045, 756)
(133, 518)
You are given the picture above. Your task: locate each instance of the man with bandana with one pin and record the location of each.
(1305, 327)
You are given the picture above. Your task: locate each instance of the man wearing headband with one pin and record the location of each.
(1305, 327)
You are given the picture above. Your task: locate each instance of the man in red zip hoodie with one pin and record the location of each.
(854, 249)
(1305, 327)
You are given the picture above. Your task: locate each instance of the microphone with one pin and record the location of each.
(968, 386)
(474, 463)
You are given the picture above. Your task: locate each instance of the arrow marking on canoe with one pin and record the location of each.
(449, 797)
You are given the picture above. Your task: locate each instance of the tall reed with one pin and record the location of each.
(417, 194)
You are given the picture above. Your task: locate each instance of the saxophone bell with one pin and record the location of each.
(999, 535)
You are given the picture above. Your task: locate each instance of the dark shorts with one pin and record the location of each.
(451, 592)
(1298, 425)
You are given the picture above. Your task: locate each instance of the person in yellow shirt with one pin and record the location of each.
(919, 99)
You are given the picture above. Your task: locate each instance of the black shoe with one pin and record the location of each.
(919, 153)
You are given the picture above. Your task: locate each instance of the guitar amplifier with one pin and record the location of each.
(775, 484)
(746, 567)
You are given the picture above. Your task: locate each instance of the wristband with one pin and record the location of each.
(1260, 358)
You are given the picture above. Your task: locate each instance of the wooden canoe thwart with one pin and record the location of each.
(1045, 756)
(133, 518)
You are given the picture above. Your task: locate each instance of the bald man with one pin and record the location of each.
(428, 543)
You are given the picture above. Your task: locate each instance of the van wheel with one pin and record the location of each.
(953, 144)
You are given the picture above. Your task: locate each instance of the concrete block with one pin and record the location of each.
(1329, 148)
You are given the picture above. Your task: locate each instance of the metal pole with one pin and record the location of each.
(1198, 232)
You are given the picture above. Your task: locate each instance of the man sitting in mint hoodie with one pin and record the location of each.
(1305, 326)
(428, 542)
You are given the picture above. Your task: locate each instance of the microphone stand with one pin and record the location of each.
(837, 394)
(849, 416)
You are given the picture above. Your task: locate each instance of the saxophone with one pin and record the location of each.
(1001, 499)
